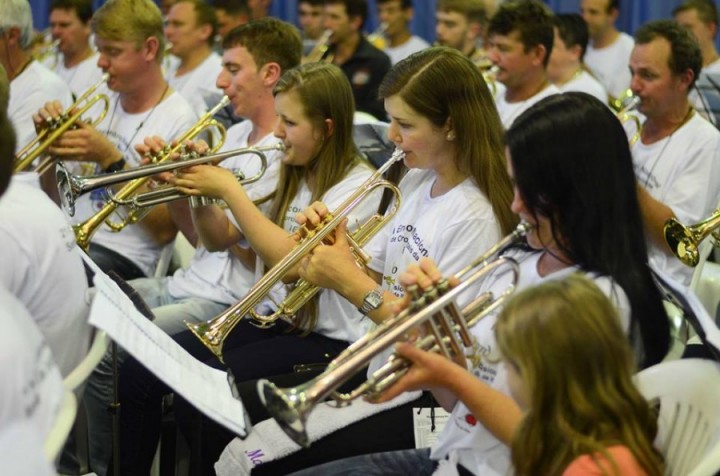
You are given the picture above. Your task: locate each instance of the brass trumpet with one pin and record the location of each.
(685, 240)
(320, 50)
(83, 231)
(72, 186)
(214, 332)
(624, 115)
(377, 37)
(448, 332)
(57, 126)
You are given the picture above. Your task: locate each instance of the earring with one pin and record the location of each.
(450, 136)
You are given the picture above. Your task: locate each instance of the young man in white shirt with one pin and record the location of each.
(31, 83)
(218, 275)
(130, 41)
(701, 18)
(190, 28)
(520, 43)
(565, 69)
(396, 15)
(677, 159)
(608, 52)
(460, 24)
(77, 61)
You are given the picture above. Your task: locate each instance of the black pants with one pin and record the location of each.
(387, 431)
(251, 353)
(108, 260)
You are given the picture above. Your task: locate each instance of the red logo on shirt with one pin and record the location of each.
(470, 419)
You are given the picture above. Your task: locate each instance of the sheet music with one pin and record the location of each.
(206, 388)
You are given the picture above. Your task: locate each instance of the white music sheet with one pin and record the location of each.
(206, 388)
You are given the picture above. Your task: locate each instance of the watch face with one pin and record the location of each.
(374, 299)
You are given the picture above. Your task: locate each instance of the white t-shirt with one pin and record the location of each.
(197, 84)
(219, 276)
(337, 317)
(584, 82)
(42, 267)
(704, 95)
(399, 53)
(28, 94)
(169, 119)
(683, 172)
(30, 382)
(509, 111)
(610, 64)
(82, 76)
(452, 229)
(466, 441)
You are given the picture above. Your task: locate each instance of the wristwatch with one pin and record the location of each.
(372, 300)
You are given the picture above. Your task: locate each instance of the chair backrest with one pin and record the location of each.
(55, 439)
(372, 141)
(80, 373)
(688, 392)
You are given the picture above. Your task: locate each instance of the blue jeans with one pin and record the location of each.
(170, 316)
(415, 462)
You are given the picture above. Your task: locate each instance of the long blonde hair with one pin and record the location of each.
(564, 338)
(325, 93)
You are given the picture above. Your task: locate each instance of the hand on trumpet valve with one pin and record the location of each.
(311, 217)
(428, 370)
(332, 264)
(207, 180)
(50, 116)
(82, 142)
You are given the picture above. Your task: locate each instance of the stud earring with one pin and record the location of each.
(450, 136)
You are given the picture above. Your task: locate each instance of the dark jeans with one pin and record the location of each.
(108, 260)
(251, 353)
(385, 431)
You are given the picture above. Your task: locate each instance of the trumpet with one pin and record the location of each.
(320, 50)
(624, 115)
(489, 75)
(214, 332)
(685, 240)
(448, 332)
(377, 37)
(618, 104)
(58, 125)
(72, 186)
(83, 231)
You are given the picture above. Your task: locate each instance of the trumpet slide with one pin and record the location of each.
(83, 231)
(72, 186)
(57, 127)
(448, 331)
(214, 332)
(684, 241)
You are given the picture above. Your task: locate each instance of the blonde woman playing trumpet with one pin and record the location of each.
(314, 107)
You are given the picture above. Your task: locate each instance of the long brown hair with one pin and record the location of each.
(325, 93)
(564, 338)
(440, 83)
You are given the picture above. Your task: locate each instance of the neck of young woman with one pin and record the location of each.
(552, 260)
(446, 179)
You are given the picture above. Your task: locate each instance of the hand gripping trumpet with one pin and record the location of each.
(83, 231)
(448, 331)
(72, 186)
(214, 332)
(685, 240)
(57, 126)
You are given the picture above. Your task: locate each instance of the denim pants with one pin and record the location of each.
(170, 316)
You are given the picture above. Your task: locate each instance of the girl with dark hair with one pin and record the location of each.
(574, 183)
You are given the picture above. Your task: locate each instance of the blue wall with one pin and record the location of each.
(634, 13)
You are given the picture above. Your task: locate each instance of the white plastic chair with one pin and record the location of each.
(63, 424)
(708, 288)
(688, 391)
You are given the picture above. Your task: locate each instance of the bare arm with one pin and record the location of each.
(654, 214)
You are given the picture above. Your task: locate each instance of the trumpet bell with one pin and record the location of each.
(289, 408)
(65, 188)
(682, 241)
